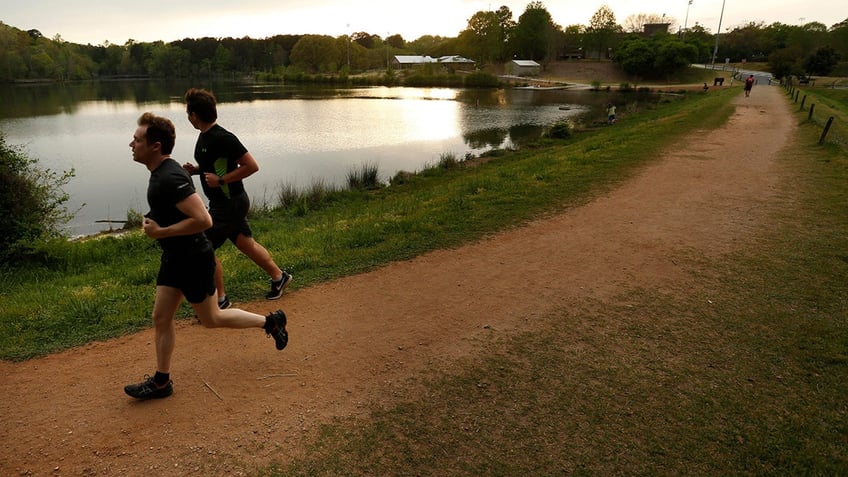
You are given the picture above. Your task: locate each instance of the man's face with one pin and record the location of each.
(141, 150)
(192, 118)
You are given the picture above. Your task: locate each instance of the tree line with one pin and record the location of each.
(491, 37)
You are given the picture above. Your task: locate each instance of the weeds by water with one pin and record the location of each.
(365, 177)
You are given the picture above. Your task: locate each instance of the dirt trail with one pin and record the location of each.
(239, 403)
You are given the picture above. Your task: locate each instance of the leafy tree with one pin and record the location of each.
(636, 23)
(673, 55)
(396, 41)
(838, 36)
(427, 44)
(317, 54)
(483, 40)
(364, 39)
(43, 66)
(572, 40)
(636, 56)
(744, 42)
(169, 61)
(506, 28)
(602, 30)
(222, 62)
(654, 57)
(822, 62)
(535, 34)
(786, 62)
(700, 38)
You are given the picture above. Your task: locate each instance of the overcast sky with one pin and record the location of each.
(116, 21)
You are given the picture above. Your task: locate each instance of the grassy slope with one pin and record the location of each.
(101, 289)
(753, 385)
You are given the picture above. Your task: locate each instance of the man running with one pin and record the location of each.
(223, 163)
(177, 219)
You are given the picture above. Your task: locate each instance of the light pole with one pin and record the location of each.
(686, 21)
(715, 50)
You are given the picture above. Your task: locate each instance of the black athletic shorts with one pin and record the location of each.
(229, 220)
(191, 273)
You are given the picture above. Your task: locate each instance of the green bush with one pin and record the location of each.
(31, 204)
(481, 80)
(561, 130)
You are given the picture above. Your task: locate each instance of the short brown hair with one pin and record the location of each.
(159, 130)
(202, 103)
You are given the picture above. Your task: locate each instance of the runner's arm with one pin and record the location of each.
(197, 220)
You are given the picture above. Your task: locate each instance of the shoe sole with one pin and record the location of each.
(284, 332)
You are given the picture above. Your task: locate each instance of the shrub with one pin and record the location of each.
(32, 202)
(481, 80)
(561, 130)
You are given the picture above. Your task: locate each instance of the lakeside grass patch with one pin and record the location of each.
(342, 232)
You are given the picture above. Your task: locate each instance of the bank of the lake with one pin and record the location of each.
(101, 289)
(298, 134)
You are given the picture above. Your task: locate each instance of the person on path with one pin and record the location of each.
(223, 163)
(749, 83)
(177, 220)
(610, 113)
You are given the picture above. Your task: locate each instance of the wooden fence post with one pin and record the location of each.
(812, 108)
(803, 101)
(826, 129)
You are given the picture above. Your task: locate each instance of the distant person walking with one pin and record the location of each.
(223, 163)
(749, 83)
(177, 219)
(610, 113)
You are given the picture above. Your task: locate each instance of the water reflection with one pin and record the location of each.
(485, 138)
(298, 135)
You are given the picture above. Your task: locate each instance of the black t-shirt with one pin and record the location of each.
(217, 151)
(169, 185)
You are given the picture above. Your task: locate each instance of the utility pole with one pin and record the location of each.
(686, 21)
(715, 50)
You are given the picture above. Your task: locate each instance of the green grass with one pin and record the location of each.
(826, 103)
(102, 288)
(46, 309)
(751, 382)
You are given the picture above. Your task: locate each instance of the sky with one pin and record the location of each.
(116, 21)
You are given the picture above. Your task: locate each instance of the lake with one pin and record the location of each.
(299, 135)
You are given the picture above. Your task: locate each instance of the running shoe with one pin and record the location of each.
(277, 287)
(148, 389)
(275, 326)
